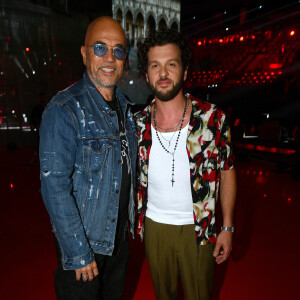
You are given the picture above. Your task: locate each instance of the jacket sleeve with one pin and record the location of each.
(58, 145)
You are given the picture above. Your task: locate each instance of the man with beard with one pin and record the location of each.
(88, 158)
(184, 152)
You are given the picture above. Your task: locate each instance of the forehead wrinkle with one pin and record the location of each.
(112, 46)
(169, 60)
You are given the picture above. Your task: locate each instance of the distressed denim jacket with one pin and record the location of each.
(80, 161)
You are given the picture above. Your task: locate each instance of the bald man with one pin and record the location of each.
(87, 159)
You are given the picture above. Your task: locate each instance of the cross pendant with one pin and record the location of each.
(172, 181)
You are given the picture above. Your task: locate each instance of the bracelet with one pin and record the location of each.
(231, 229)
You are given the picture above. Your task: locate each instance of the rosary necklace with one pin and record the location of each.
(161, 134)
(176, 143)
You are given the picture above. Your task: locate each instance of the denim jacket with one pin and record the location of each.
(81, 171)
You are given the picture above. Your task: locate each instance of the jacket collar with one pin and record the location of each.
(144, 116)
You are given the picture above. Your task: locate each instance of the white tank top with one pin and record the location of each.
(167, 204)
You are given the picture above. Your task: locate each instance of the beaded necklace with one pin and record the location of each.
(176, 143)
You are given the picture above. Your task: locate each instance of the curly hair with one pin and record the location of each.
(161, 38)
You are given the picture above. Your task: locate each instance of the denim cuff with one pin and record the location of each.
(78, 262)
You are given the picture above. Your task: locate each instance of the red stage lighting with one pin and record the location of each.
(292, 32)
(236, 123)
(241, 39)
(199, 43)
(27, 49)
(275, 66)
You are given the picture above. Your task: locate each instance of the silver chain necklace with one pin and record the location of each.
(169, 141)
(174, 126)
(170, 127)
(176, 143)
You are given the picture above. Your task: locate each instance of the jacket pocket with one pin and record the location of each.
(95, 152)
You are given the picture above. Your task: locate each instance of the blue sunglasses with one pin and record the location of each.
(100, 50)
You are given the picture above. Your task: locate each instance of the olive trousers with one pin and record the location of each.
(172, 253)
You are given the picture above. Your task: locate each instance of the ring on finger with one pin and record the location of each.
(84, 276)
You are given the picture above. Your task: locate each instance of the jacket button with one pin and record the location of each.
(117, 131)
(111, 114)
(117, 191)
(113, 220)
(119, 161)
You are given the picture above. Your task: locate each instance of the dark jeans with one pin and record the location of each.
(109, 284)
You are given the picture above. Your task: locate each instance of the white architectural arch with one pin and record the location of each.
(129, 23)
(150, 24)
(174, 24)
(119, 14)
(162, 23)
(146, 15)
(139, 25)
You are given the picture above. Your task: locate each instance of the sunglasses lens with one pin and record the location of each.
(100, 50)
(119, 53)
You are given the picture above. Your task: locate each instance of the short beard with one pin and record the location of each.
(167, 96)
(107, 85)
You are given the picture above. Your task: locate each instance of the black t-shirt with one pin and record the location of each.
(125, 161)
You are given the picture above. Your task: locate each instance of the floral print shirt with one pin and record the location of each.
(209, 151)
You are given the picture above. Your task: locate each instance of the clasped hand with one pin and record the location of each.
(88, 272)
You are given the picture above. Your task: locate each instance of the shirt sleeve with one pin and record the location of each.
(227, 158)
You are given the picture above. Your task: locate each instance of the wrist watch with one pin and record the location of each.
(231, 229)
